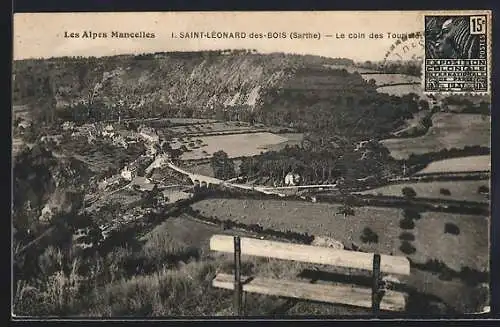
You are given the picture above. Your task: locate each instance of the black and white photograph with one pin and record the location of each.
(250, 164)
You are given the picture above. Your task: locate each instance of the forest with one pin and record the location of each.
(287, 90)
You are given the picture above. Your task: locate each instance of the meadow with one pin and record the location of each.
(321, 219)
(459, 190)
(400, 90)
(235, 145)
(448, 131)
(467, 249)
(463, 164)
(390, 79)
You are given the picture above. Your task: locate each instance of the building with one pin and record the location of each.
(132, 170)
(292, 179)
(108, 131)
(129, 172)
(108, 182)
(149, 134)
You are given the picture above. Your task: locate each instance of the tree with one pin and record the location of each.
(409, 192)
(407, 248)
(222, 166)
(405, 236)
(406, 223)
(444, 191)
(450, 228)
(369, 236)
(347, 208)
(423, 104)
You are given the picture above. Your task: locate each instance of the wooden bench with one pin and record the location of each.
(376, 297)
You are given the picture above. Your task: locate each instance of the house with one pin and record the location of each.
(143, 184)
(131, 171)
(292, 179)
(52, 138)
(119, 140)
(108, 131)
(68, 126)
(108, 182)
(149, 134)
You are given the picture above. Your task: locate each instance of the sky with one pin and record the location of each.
(42, 35)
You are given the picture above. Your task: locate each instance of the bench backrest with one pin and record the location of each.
(311, 254)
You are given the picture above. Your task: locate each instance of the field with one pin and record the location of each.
(463, 164)
(448, 131)
(352, 69)
(390, 79)
(468, 249)
(400, 90)
(292, 140)
(236, 145)
(460, 190)
(321, 219)
(215, 127)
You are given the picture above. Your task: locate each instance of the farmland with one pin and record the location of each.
(321, 219)
(448, 131)
(468, 249)
(236, 145)
(464, 164)
(399, 90)
(391, 79)
(215, 128)
(459, 190)
(351, 69)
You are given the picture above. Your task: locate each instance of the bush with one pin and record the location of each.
(412, 214)
(405, 236)
(450, 228)
(406, 223)
(407, 248)
(409, 192)
(369, 236)
(445, 191)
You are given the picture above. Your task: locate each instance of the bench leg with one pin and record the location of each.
(376, 284)
(237, 304)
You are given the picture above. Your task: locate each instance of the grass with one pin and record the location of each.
(389, 79)
(470, 248)
(448, 131)
(236, 145)
(182, 287)
(464, 164)
(400, 90)
(215, 127)
(460, 190)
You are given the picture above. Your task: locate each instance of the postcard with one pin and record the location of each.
(243, 164)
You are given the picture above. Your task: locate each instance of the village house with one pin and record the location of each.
(108, 131)
(52, 139)
(109, 182)
(292, 179)
(149, 134)
(132, 170)
(68, 126)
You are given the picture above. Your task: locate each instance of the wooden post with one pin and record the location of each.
(376, 284)
(237, 307)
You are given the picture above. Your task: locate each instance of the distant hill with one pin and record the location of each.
(283, 89)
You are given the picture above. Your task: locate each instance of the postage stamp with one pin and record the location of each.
(157, 155)
(457, 54)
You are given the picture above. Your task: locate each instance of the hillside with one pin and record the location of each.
(280, 89)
